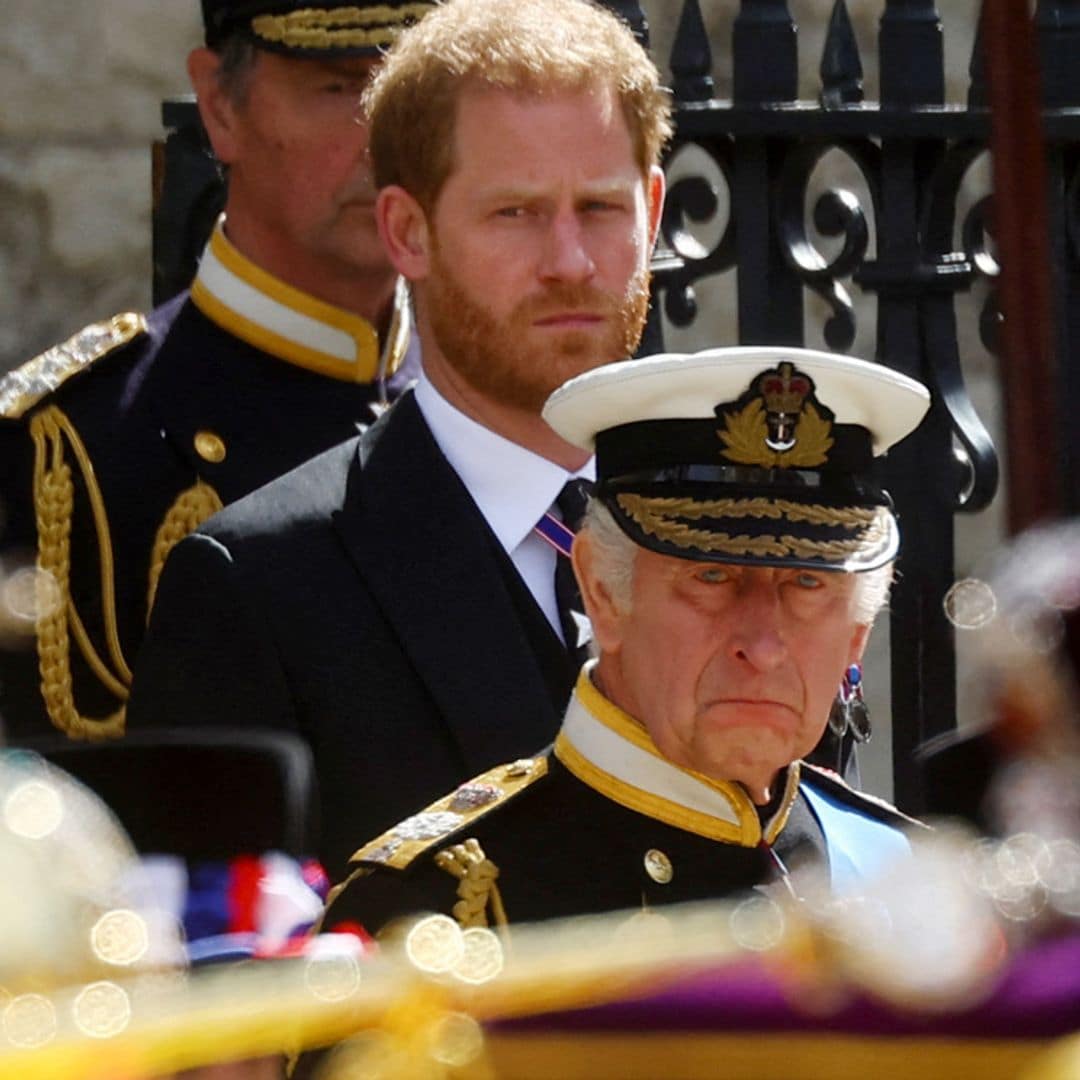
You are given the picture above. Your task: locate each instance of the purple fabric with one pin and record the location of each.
(1037, 997)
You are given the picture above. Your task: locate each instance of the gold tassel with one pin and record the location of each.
(476, 875)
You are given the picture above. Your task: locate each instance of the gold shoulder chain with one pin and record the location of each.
(58, 618)
(50, 429)
(191, 508)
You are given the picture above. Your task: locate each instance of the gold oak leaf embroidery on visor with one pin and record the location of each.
(659, 518)
(316, 28)
(746, 432)
(846, 517)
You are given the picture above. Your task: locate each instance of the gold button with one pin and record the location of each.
(210, 447)
(658, 866)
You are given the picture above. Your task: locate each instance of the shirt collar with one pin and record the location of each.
(612, 752)
(512, 487)
(261, 309)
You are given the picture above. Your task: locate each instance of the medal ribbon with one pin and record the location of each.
(551, 530)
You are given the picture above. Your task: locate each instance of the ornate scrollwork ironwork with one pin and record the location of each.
(977, 462)
(695, 199)
(975, 233)
(836, 212)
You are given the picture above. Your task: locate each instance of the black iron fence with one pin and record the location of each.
(906, 238)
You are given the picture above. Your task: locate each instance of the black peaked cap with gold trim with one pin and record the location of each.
(304, 29)
(758, 455)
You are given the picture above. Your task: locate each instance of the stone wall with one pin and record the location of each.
(80, 92)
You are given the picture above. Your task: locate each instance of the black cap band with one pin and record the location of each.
(650, 444)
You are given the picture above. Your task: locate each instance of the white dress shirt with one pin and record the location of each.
(512, 487)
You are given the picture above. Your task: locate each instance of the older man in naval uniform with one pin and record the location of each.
(732, 562)
(294, 333)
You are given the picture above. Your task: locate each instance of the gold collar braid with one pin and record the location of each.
(644, 792)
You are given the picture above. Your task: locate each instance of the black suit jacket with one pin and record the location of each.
(363, 601)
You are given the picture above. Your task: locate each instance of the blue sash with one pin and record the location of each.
(858, 846)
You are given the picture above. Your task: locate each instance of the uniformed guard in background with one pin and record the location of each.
(731, 564)
(295, 331)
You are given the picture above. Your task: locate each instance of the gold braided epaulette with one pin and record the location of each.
(399, 846)
(23, 388)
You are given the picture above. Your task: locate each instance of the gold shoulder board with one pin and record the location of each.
(24, 387)
(399, 846)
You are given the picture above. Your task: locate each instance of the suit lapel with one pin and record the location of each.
(426, 553)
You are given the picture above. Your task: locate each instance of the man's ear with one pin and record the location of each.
(859, 638)
(605, 614)
(216, 107)
(403, 229)
(655, 189)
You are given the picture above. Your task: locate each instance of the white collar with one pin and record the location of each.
(253, 305)
(610, 751)
(512, 487)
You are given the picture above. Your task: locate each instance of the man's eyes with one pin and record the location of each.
(713, 575)
(521, 210)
